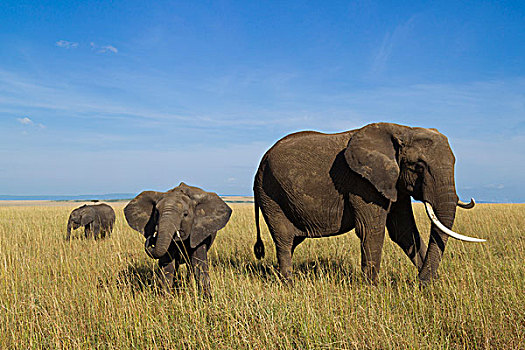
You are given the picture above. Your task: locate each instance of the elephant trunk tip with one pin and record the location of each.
(155, 252)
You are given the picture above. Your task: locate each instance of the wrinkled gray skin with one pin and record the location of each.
(311, 184)
(195, 214)
(97, 220)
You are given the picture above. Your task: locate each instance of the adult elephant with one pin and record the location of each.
(311, 184)
(180, 226)
(96, 219)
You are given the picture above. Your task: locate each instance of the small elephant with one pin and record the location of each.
(96, 219)
(180, 226)
(311, 184)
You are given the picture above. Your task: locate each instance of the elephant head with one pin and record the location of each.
(399, 160)
(182, 213)
(81, 216)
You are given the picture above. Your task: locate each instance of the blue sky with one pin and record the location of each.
(107, 97)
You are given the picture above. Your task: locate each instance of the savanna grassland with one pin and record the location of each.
(87, 294)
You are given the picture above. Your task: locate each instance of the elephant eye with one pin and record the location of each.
(185, 214)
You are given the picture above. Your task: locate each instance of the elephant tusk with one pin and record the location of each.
(444, 229)
(148, 242)
(467, 205)
(178, 234)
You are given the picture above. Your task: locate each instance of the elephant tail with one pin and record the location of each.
(258, 248)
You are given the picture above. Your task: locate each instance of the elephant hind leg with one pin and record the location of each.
(285, 236)
(109, 228)
(284, 257)
(105, 231)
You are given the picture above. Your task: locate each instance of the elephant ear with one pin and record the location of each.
(211, 214)
(371, 153)
(87, 215)
(140, 212)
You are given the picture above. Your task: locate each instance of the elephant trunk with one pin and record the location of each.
(445, 210)
(164, 237)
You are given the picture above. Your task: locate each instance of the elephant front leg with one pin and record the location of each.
(199, 265)
(169, 272)
(403, 230)
(370, 228)
(88, 231)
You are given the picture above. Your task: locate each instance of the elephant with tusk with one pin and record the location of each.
(311, 184)
(180, 226)
(96, 219)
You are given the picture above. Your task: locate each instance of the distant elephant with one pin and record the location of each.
(97, 220)
(180, 226)
(311, 184)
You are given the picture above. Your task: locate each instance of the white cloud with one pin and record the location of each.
(495, 186)
(100, 49)
(67, 44)
(391, 39)
(104, 48)
(25, 121)
(107, 48)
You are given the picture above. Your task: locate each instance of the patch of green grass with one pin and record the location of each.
(86, 294)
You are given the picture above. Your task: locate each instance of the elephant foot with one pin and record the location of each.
(423, 284)
(287, 279)
(206, 295)
(370, 273)
(179, 285)
(427, 282)
(371, 282)
(370, 279)
(426, 275)
(165, 287)
(203, 284)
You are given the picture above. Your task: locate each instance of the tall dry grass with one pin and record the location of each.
(103, 294)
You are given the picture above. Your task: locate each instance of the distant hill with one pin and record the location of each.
(82, 197)
(109, 197)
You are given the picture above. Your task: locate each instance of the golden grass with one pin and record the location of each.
(103, 294)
